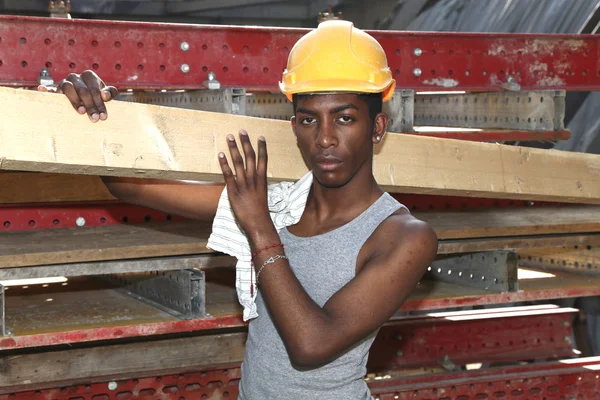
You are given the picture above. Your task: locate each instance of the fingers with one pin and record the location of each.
(68, 89)
(261, 168)
(249, 155)
(227, 174)
(87, 94)
(93, 84)
(109, 93)
(238, 161)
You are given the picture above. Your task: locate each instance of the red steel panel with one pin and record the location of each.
(549, 334)
(149, 55)
(18, 217)
(467, 337)
(64, 215)
(573, 379)
(577, 379)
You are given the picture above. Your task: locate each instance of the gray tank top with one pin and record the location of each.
(323, 264)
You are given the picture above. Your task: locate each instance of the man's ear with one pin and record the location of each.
(379, 127)
(293, 121)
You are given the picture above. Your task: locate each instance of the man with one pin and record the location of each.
(328, 282)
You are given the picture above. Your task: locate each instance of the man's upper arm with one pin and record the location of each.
(403, 249)
(191, 200)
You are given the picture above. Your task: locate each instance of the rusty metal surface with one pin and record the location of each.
(85, 309)
(146, 55)
(101, 313)
(453, 339)
(562, 379)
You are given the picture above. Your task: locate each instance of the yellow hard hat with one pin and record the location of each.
(337, 57)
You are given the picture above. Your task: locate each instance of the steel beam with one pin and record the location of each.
(148, 55)
(493, 271)
(180, 293)
(228, 101)
(536, 110)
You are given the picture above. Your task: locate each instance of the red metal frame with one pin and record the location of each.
(497, 335)
(148, 55)
(565, 379)
(19, 217)
(230, 321)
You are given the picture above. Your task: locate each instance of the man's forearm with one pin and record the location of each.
(299, 319)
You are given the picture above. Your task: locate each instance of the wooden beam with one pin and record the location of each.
(31, 187)
(116, 242)
(528, 243)
(121, 361)
(151, 141)
(513, 222)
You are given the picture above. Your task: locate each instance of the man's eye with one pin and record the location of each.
(307, 121)
(346, 118)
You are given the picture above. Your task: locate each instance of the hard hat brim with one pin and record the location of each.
(338, 87)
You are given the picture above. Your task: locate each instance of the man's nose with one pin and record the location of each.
(326, 136)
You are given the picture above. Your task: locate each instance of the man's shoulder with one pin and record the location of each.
(402, 232)
(404, 225)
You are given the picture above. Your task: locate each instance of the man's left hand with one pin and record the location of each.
(247, 189)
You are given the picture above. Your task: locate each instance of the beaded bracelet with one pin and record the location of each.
(269, 261)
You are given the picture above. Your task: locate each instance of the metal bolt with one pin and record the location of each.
(417, 72)
(185, 68)
(399, 337)
(566, 324)
(112, 385)
(185, 46)
(568, 339)
(80, 221)
(399, 354)
(45, 79)
(211, 81)
(417, 51)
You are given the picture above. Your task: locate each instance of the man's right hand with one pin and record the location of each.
(87, 93)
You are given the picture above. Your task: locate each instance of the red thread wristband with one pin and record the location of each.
(266, 248)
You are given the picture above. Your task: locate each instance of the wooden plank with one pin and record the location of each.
(59, 246)
(514, 222)
(458, 246)
(44, 247)
(151, 141)
(583, 259)
(89, 303)
(121, 361)
(31, 187)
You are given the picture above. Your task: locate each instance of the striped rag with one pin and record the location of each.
(286, 201)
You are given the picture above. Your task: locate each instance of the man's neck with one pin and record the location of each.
(345, 202)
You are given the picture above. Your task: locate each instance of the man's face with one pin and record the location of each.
(335, 135)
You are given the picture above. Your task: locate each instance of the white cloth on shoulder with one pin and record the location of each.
(286, 201)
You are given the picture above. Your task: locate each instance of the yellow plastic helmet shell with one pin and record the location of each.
(337, 57)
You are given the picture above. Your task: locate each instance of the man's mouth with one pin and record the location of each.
(328, 163)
